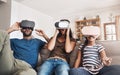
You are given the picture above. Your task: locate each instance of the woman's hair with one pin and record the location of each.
(65, 20)
(70, 34)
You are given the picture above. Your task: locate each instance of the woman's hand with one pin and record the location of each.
(57, 31)
(68, 31)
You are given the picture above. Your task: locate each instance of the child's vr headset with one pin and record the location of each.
(91, 30)
(63, 24)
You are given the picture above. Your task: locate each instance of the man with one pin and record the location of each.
(25, 50)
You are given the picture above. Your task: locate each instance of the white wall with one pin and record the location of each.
(21, 12)
(46, 22)
(104, 14)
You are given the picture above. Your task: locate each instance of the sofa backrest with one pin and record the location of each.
(112, 49)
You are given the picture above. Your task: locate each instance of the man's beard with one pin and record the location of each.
(27, 35)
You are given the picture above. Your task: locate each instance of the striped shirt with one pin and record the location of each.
(91, 58)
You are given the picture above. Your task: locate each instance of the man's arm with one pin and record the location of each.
(41, 33)
(14, 27)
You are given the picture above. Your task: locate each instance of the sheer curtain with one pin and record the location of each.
(118, 26)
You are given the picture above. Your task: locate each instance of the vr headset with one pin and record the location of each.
(63, 24)
(91, 31)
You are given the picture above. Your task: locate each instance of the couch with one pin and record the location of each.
(112, 49)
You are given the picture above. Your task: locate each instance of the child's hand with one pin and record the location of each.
(107, 61)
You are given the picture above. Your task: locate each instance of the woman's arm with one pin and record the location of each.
(52, 41)
(69, 45)
(106, 60)
(78, 60)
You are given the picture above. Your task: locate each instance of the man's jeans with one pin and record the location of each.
(59, 66)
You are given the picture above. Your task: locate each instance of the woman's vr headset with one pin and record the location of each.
(63, 24)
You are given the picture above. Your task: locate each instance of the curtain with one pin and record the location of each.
(117, 20)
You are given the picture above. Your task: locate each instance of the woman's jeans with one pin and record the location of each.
(59, 66)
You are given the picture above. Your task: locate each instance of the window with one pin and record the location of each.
(110, 31)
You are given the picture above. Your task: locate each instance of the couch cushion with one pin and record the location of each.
(44, 54)
(73, 57)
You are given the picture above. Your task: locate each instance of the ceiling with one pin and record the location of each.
(56, 8)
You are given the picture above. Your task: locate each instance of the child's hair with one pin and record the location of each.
(86, 41)
(84, 45)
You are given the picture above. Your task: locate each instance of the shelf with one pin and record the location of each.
(3, 1)
(81, 23)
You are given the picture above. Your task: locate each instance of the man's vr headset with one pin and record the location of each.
(62, 24)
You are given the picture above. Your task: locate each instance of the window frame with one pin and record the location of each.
(105, 33)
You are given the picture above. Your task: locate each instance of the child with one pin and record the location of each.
(91, 57)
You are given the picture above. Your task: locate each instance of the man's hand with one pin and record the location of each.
(14, 27)
(39, 32)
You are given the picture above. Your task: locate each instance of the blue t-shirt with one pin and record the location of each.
(27, 50)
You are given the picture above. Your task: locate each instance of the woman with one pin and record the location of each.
(61, 44)
(92, 56)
